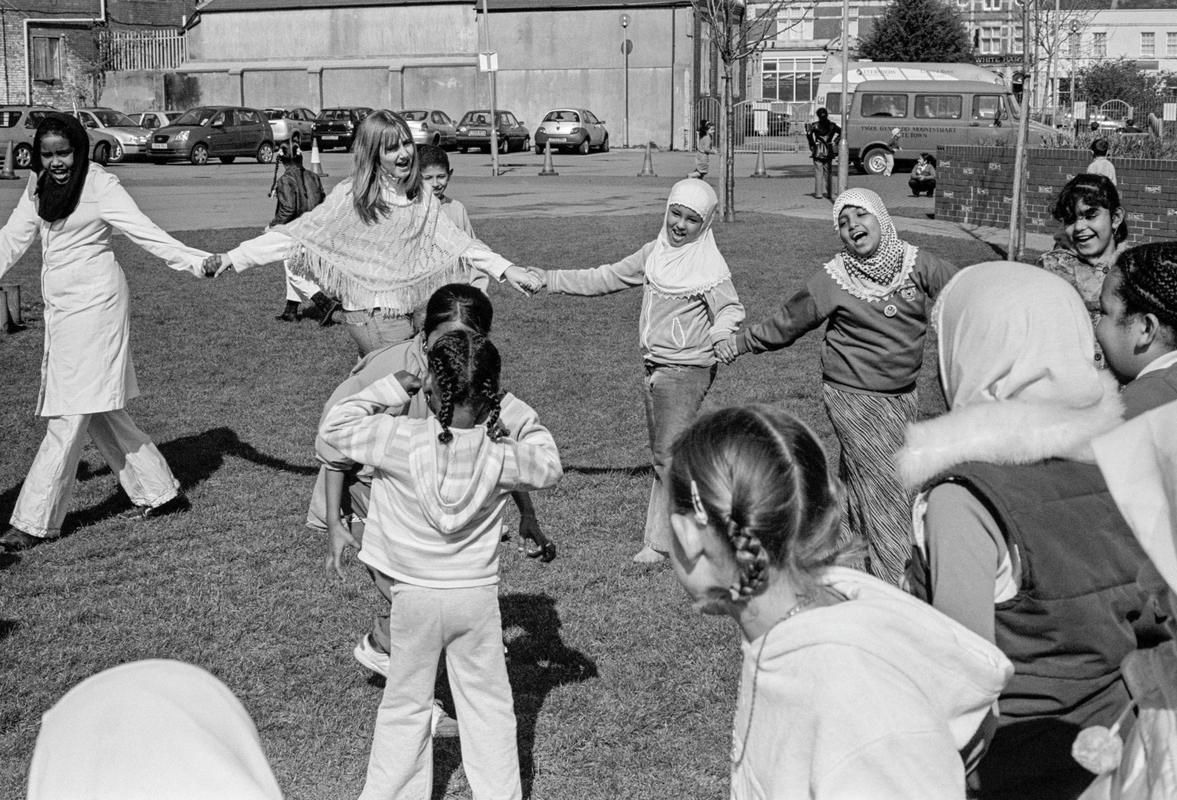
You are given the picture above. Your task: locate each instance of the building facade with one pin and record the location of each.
(59, 52)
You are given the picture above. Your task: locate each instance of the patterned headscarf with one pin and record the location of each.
(695, 267)
(882, 267)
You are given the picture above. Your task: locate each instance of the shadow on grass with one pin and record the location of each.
(632, 472)
(538, 661)
(193, 460)
(7, 627)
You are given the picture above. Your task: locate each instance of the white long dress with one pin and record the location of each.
(87, 365)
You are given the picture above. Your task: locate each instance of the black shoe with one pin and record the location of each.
(326, 307)
(290, 313)
(14, 541)
(174, 506)
(327, 320)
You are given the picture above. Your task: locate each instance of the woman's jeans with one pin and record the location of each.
(373, 328)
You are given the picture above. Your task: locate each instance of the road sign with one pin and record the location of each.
(627, 46)
(488, 62)
(1080, 109)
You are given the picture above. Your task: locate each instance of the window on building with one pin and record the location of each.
(884, 105)
(1099, 44)
(938, 106)
(1171, 44)
(1148, 44)
(789, 79)
(991, 39)
(794, 23)
(991, 5)
(46, 58)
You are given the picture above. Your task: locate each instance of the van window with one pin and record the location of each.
(938, 106)
(834, 103)
(989, 108)
(884, 105)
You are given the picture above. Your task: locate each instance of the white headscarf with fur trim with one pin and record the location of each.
(695, 267)
(1015, 345)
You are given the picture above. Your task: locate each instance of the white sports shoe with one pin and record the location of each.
(367, 654)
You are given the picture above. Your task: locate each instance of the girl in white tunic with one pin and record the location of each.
(87, 375)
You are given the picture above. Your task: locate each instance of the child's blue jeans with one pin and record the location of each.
(673, 395)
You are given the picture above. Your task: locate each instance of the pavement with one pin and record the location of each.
(181, 197)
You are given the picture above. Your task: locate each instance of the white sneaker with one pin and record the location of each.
(442, 724)
(367, 654)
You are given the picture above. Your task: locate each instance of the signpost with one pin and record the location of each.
(626, 49)
(492, 67)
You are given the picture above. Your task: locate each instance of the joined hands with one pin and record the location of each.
(215, 264)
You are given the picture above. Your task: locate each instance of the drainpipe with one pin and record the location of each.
(29, 42)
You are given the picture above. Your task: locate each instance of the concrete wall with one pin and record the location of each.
(973, 187)
(135, 90)
(425, 56)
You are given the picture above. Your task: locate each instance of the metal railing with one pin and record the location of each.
(155, 49)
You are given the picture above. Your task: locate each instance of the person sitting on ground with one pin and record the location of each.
(1137, 329)
(1015, 534)
(923, 175)
(850, 688)
(1100, 163)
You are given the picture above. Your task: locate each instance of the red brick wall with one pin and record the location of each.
(973, 187)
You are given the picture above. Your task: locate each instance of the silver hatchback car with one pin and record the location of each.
(431, 127)
(572, 129)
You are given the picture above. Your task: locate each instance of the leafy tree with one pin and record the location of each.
(1121, 80)
(918, 30)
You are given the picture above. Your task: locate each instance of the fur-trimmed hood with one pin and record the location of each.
(1006, 432)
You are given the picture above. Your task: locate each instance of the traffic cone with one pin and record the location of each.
(9, 171)
(316, 162)
(648, 165)
(549, 168)
(760, 171)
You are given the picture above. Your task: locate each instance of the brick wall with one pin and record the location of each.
(973, 187)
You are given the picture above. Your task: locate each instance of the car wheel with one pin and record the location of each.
(117, 154)
(605, 144)
(22, 156)
(583, 147)
(228, 159)
(874, 161)
(526, 144)
(504, 144)
(199, 154)
(102, 153)
(265, 153)
(436, 140)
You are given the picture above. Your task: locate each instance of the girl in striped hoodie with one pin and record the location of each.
(433, 528)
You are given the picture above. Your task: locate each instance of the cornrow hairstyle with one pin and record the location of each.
(459, 302)
(1148, 283)
(466, 368)
(1097, 191)
(429, 155)
(763, 481)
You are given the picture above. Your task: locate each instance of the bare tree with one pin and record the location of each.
(1058, 26)
(738, 32)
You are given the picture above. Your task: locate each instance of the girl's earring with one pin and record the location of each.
(700, 513)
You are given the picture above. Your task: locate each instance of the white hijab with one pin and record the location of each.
(148, 730)
(698, 266)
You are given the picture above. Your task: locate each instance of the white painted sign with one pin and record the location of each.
(1081, 109)
(488, 62)
(1169, 112)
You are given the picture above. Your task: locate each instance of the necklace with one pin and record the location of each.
(738, 757)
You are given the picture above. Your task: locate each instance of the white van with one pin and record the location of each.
(928, 114)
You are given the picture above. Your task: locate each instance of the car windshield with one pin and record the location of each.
(335, 113)
(415, 116)
(196, 116)
(109, 118)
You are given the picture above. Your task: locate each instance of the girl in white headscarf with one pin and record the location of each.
(1017, 537)
(874, 298)
(689, 305)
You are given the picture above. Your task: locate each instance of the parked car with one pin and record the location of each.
(18, 124)
(572, 129)
(223, 132)
(761, 120)
(130, 139)
(431, 127)
(291, 124)
(336, 127)
(474, 131)
(155, 119)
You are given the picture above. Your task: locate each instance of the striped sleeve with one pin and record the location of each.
(532, 461)
(361, 425)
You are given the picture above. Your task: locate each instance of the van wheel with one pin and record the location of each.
(874, 161)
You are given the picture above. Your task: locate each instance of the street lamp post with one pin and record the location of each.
(626, 48)
(843, 145)
(494, 123)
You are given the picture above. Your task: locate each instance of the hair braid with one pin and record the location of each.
(1148, 281)
(465, 367)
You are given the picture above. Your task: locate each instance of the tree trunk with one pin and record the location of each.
(727, 179)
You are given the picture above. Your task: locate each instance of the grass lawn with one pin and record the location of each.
(621, 690)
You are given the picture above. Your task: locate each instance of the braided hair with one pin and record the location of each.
(761, 478)
(465, 367)
(1148, 283)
